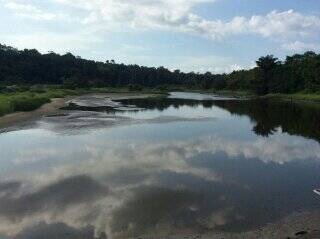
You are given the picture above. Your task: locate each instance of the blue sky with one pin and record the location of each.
(191, 35)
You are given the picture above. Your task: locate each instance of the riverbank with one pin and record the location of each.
(33, 98)
(23, 105)
(52, 106)
(24, 101)
(236, 93)
(307, 97)
(297, 97)
(11, 119)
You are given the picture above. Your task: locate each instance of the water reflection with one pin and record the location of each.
(58, 230)
(70, 191)
(267, 115)
(152, 178)
(293, 118)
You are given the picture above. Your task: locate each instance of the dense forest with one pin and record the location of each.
(300, 72)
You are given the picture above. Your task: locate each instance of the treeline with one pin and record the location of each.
(32, 67)
(300, 72)
(29, 67)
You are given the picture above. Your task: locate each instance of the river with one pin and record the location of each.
(184, 166)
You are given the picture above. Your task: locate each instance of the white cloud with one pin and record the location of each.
(178, 15)
(284, 24)
(299, 46)
(84, 23)
(46, 41)
(29, 11)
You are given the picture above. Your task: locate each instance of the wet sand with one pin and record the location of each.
(54, 106)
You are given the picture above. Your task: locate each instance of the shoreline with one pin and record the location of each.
(54, 107)
(303, 98)
(295, 97)
(20, 117)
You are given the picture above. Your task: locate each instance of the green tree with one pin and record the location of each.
(264, 74)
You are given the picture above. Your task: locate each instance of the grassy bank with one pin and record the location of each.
(30, 100)
(142, 90)
(301, 96)
(236, 93)
(310, 97)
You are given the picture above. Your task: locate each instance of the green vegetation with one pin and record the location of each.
(236, 93)
(29, 67)
(300, 72)
(29, 99)
(28, 79)
(295, 97)
(20, 102)
(24, 98)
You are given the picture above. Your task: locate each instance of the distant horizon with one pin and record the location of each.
(217, 36)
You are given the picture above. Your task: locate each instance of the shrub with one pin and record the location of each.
(37, 89)
(27, 103)
(134, 87)
(5, 107)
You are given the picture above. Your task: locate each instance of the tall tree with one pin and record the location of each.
(264, 74)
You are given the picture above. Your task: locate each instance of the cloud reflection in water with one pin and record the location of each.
(124, 187)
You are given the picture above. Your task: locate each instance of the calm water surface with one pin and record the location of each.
(188, 161)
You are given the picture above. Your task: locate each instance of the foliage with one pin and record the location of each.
(20, 102)
(134, 87)
(29, 67)
(20, 69)
(30, 100)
